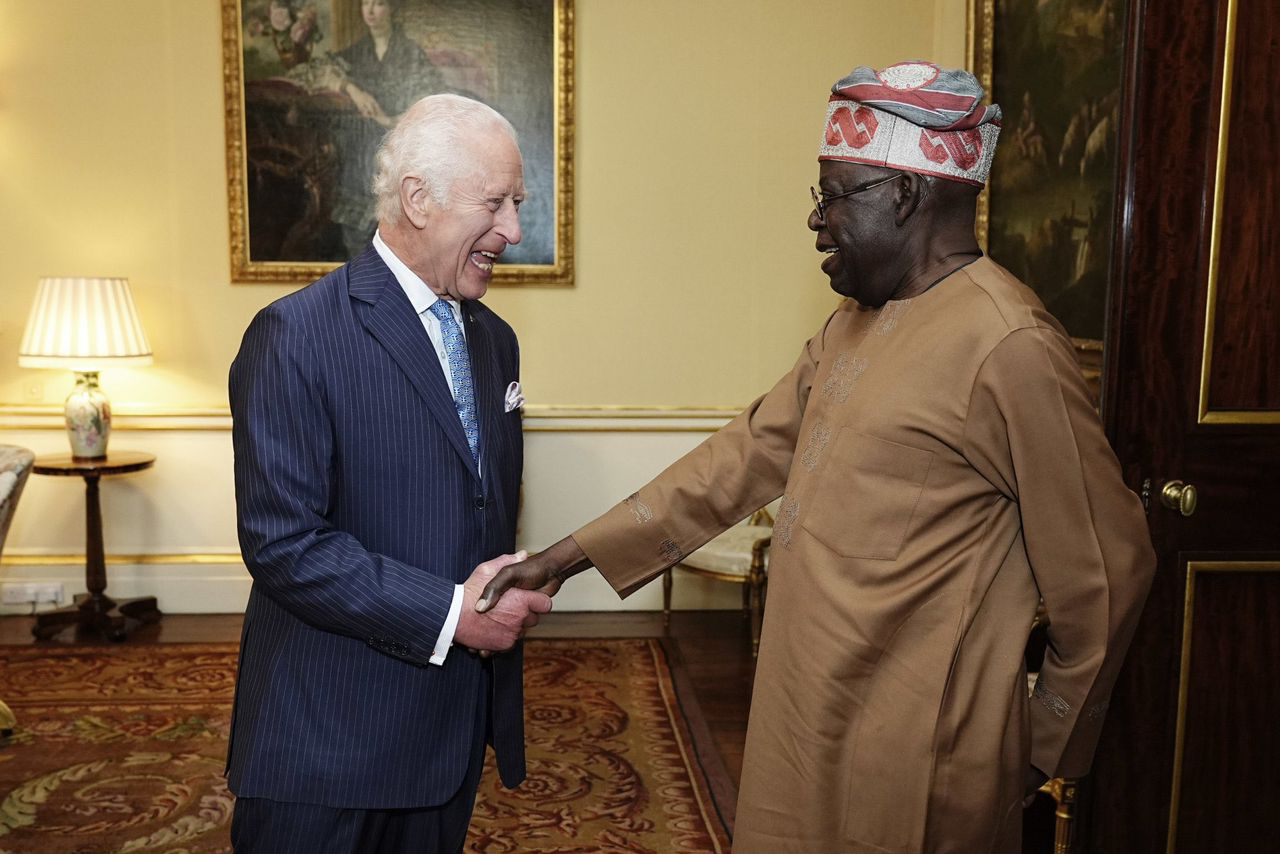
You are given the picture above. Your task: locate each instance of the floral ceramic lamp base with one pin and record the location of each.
(88, 417)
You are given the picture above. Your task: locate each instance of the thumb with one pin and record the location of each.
(491, 567)
(535, 601)
(499, 583)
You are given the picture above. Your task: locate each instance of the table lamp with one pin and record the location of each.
(84, 324)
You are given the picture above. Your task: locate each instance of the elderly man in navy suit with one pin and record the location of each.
(377, 461)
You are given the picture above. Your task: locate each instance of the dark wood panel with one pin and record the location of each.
(1152, 355)
(173, 628)
(1168, 153)
(1229, 788)
(1245, 368)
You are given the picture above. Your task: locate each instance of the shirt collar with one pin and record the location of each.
(420, 296)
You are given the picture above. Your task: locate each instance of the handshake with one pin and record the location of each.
(506, 595)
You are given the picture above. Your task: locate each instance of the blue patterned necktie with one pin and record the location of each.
(464, 396)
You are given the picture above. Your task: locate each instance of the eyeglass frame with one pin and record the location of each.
(821, 200)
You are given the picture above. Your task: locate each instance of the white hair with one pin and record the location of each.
(430, 142)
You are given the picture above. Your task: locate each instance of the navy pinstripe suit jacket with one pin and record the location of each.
(359, 508)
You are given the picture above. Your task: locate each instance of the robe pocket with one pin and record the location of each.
(867, 495)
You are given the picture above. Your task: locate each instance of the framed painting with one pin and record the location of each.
(312, 86)
(1055, 67)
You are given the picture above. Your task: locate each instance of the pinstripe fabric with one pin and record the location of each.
(359, 508)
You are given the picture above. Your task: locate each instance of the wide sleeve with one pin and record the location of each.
(739, 469)
(1033, 432)
(283, 442)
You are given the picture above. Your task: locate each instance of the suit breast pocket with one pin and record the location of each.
(867, 495)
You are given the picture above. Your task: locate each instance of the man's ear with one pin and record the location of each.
(415, 200)
(909, 192)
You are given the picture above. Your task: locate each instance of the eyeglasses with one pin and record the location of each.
(821, 200)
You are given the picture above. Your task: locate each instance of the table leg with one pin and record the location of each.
(95, 566)
(95, 610)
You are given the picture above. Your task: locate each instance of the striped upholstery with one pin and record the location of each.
(359, 508)
(15, 466)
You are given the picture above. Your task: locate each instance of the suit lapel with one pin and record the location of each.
(479, 347)
(388, 316)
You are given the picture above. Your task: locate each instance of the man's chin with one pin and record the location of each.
(473, 285)
(843, 287)
(838, 277)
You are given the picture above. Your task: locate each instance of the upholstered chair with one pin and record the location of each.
(15, 465)
(741, 556)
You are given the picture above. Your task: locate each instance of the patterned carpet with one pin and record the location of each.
(121, 748)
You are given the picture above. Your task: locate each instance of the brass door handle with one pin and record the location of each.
(1179, 496)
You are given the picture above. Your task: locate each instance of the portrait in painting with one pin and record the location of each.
(320, 82)
(1055, 70)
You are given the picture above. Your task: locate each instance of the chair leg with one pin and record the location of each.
(666, 598)
(1064, 794)
(753, 586)
(746, 598)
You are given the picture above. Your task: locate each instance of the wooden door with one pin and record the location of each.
(1189, 760)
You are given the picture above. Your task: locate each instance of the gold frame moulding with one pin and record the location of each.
(245, 269)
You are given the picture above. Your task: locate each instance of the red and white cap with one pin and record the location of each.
(912, 116)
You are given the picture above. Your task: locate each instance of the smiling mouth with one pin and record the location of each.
(483, 259)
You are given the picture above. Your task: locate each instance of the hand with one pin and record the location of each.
(366, 104)
(497, 630)
(544, 572)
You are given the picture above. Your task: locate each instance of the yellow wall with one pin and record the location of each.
(696, 133)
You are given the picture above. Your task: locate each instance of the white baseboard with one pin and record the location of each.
(180, 514)
(179, 589)
(224, 589)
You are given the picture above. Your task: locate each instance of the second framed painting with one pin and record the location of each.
(1055, 68)
(312, 86)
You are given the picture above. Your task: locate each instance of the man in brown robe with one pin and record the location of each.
(942, 468)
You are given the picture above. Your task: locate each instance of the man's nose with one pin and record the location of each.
(508, 224)
(815, 221)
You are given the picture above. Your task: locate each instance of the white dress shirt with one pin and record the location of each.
(422, 298)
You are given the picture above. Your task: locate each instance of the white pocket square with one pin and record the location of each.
(514, 398)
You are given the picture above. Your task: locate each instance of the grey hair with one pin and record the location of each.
(430, 142)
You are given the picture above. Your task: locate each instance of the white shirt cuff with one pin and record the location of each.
(450, 626)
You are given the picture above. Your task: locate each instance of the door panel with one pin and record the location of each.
(1242, 370)
(1225, 739)
(1191, 392)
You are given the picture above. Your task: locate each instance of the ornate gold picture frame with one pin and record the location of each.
(308, 97)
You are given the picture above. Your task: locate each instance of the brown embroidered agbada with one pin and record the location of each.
(942, 467)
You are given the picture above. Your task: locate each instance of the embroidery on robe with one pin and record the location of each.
(670, 551)
(638, 508)
(843, 377)
(1050, 700)
(891, 315)
(787, 514)
(818, 438)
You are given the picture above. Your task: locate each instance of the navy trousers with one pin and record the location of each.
(264, 826)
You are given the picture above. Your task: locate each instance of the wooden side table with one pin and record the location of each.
(95, 610)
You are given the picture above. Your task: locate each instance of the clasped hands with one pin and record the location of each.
(497, 629)
(505, 596)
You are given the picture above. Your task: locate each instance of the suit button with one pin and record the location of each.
(480, 502)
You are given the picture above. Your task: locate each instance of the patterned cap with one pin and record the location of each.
(913, 116)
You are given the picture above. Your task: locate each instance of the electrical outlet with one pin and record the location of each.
(48, 592)
(16, 594)
(25, 593)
